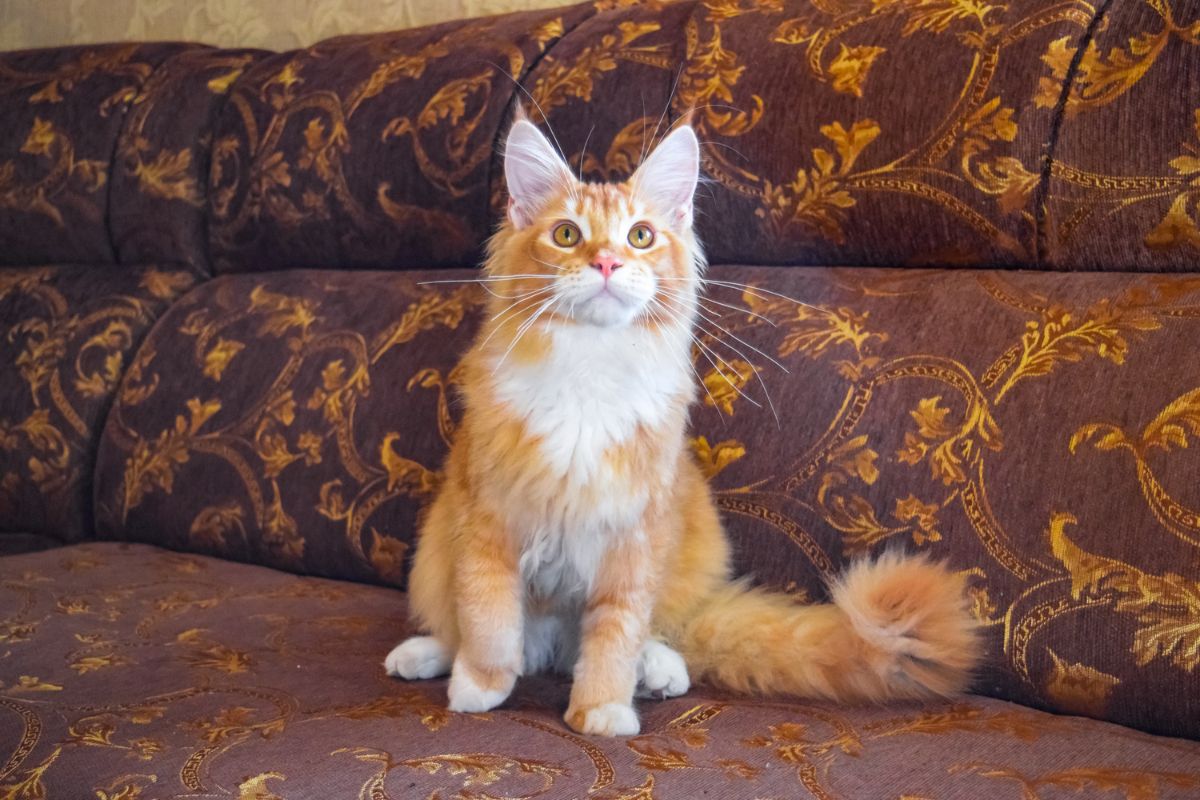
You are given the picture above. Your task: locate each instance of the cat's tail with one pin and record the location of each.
(898, 627)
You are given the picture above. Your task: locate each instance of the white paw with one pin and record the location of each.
(469, 697)
(662, 672)
(418, 659)
(611, 719)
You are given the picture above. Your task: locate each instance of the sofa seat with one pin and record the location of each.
(130, 671)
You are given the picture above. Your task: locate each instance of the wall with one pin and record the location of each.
(273, 24)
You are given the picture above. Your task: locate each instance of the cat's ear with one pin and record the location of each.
(534, 172)
(667, 179)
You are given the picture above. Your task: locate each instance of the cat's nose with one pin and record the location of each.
(606, 263)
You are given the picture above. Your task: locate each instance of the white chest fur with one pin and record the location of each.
(593, 390)
(591, 393)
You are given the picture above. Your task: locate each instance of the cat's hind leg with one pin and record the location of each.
(662, 672)
(419, 658)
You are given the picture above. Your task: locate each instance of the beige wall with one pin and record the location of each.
(273, 24)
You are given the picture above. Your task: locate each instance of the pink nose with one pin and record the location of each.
(607, 264)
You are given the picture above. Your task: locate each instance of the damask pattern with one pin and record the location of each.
(161, 165)
(66, 334)
(61, 112)
(281, 419)
(299, 419)
(1124, 187)
(370, 151)
(222, 680)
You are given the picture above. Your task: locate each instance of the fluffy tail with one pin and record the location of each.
(897, 628)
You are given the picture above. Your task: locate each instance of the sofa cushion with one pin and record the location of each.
(1029, 427)
(850, 133)
(136, 672)
(296, 419)
(61, 113)
(372, 150)
(66, 334)
(161, 164)
(1124, 187)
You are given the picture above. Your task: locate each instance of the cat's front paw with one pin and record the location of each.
(472, 691)
(662, 672)
(610, 719)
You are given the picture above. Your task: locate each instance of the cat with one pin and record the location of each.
(575, 533)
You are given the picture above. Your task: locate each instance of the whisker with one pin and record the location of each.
(737, 338)
(756, 370)
(740, 309)
(724, 373)
(491, 279)
(752, 290)
(536, 298)
(696, 372)
(525, 326)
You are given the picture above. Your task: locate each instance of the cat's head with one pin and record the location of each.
(604, 254)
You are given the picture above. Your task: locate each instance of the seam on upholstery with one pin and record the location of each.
(1060, 109)
(121, 131)
(92, 506)
(502, 128)
(209, 268)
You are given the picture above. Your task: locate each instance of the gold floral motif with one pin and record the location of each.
(1166, 607)
(69, 181)
(1132, 784)
(724, 383)
(817, 198)
(562, 82)
(153, 466)
(1169, 430)
(1079, 689)
(716, 457)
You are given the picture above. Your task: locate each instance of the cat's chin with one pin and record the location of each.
(607, 311)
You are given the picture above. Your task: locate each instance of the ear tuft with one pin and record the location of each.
(534, 172)
(667, 178)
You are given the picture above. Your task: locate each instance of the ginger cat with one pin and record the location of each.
(575, 533)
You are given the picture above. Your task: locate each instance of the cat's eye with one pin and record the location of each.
(566, 234)
(641, 236)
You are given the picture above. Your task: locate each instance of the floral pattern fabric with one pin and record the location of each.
(66, 334)
(136, 673)
(62, 112)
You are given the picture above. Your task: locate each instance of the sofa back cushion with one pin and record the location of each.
(370, 151)
(66, 335)
(161, 160)
(1123, 191)
(296, 419)
(889, 135)
(61, 115)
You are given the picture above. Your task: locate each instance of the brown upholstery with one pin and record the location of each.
(181, 675)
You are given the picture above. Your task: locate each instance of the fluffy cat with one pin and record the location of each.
(575, 533)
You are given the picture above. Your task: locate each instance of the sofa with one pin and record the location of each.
(955, 293)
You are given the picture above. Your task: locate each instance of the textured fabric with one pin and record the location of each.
(60, 115)
(278, 24)
(160, 171)
(65, 336)
(136, 673)
(1030, 427)
(1125, 183)
(14, 543)
(295, 419)
(370, 150)
(887, 133)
